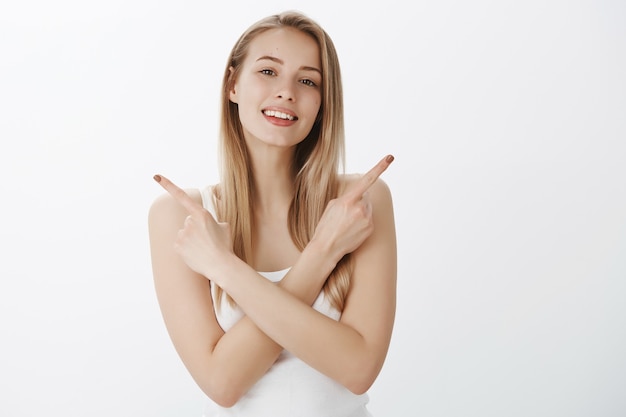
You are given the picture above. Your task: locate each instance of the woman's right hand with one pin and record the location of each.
(202, 242)
(347, 220)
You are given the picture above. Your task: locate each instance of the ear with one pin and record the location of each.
(232, 92)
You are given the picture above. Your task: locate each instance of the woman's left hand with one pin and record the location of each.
(203, 243)
(347, 220)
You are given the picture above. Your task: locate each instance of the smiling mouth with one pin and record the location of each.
(279, 115)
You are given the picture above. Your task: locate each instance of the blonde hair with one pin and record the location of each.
(316, 163)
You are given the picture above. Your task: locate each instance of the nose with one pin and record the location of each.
(286, 91)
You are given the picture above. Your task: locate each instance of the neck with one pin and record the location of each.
(273, 180)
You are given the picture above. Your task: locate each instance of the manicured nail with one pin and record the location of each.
(157, 178)
(389, 158)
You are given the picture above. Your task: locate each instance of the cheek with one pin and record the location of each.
(247, 100)
(316, 103)
(318, 106)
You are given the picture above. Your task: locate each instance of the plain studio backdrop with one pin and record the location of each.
(508, 123)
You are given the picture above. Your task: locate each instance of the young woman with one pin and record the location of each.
(277, 285)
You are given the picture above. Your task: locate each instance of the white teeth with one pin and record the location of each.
(278, 114)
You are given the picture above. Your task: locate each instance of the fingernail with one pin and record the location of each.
(157, 178)
(389, 158)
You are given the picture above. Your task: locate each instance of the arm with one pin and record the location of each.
(352, 350)
(224, 365)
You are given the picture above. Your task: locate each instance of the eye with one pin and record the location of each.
(308, 82)
(267, 71)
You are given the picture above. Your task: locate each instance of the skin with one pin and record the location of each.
(190, 248)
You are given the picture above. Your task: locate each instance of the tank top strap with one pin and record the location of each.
(207, 199)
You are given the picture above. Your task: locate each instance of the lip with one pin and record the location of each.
(277, 121)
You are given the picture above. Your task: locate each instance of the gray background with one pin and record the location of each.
(507, 123)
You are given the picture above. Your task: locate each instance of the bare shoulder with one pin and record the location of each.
(379, 191)
(165, 210)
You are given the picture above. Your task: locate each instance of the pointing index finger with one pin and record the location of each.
(179, 194)
(366, 181)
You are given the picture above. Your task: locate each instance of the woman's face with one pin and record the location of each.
(278, 89)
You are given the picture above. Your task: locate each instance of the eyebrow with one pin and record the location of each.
(280, 61)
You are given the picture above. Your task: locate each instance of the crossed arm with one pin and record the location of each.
(226, 364)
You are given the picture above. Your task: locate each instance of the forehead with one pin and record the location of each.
(290, 45)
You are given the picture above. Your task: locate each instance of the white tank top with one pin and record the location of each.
(290, 388)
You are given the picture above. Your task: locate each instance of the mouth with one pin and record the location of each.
(280, 115)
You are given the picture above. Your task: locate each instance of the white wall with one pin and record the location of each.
(508, 123)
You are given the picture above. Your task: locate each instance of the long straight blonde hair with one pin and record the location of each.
(316, 163)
